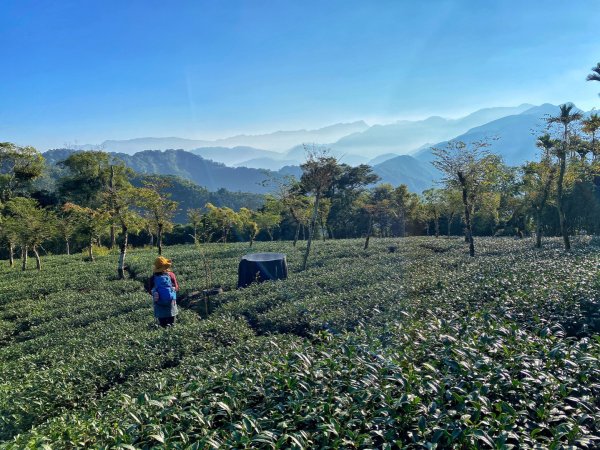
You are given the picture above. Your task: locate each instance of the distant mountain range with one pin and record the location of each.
(517, 135)
(399, 152)
(404, 136)
(278, 141)
(353, 143)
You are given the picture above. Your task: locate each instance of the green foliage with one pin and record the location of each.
(192, 196)
(28, 225)
(423, 347)
(88, 176)
(18, 167)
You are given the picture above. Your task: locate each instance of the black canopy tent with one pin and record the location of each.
(259, 267)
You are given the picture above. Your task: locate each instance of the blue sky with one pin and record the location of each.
(85, 71)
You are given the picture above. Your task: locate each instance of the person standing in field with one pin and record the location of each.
(163, 287)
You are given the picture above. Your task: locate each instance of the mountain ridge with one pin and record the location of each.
(246, 168)
(402, 137)
(280, 140)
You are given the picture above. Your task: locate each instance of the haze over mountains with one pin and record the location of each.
(399, 152)
(355, 140)
(517, 135)
(277, 141)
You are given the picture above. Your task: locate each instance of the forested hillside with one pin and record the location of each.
(205, 173)
(187, 194)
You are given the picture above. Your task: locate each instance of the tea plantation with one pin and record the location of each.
(423, 347)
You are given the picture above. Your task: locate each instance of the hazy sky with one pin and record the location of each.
(85, 71)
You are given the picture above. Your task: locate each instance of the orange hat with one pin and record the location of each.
(162, 264)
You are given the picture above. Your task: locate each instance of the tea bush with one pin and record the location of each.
(420, 348)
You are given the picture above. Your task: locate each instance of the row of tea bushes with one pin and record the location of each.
(476, 382)
(424, 347)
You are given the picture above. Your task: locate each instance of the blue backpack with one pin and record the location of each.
(164, 287)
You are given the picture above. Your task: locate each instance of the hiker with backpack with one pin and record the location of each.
(162, 285)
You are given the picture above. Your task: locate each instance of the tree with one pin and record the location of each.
(296, 204)
(538, 178)
(422, 216)
(66, 227)
(365, 203)
(120, 199)
(433, 202)
(160, 208)
(268, 217)
(349, 183)
(9, 230)
(565, 118)
(33, 225)
(195, 217)
(323, 215)
(451, 206)
(224, 219)
(18, 167)
(91, 175)
(470, 168)
(404, 202)
(591, 125)
(595, 75)
(87, 178)
(249, 225)
(117, 198)
(377, 204)
(318, 176)
(90, 223)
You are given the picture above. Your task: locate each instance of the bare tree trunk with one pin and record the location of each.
(297, 233)
(538, 230)
(465, 232)
(437, 226)
(113, 237)
(369, 231)
(559, 204)
(121, 267)
(24, 257)
(311, 231)
(11, 254)
(449, 225)
(159, 239)
(67, 246)
(151, 240)
(38, 261)
(469, 229)
(470, 234)
(91, 250)
(111, 185)
(539, 210)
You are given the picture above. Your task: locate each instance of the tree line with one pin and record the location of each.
(98, 202)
